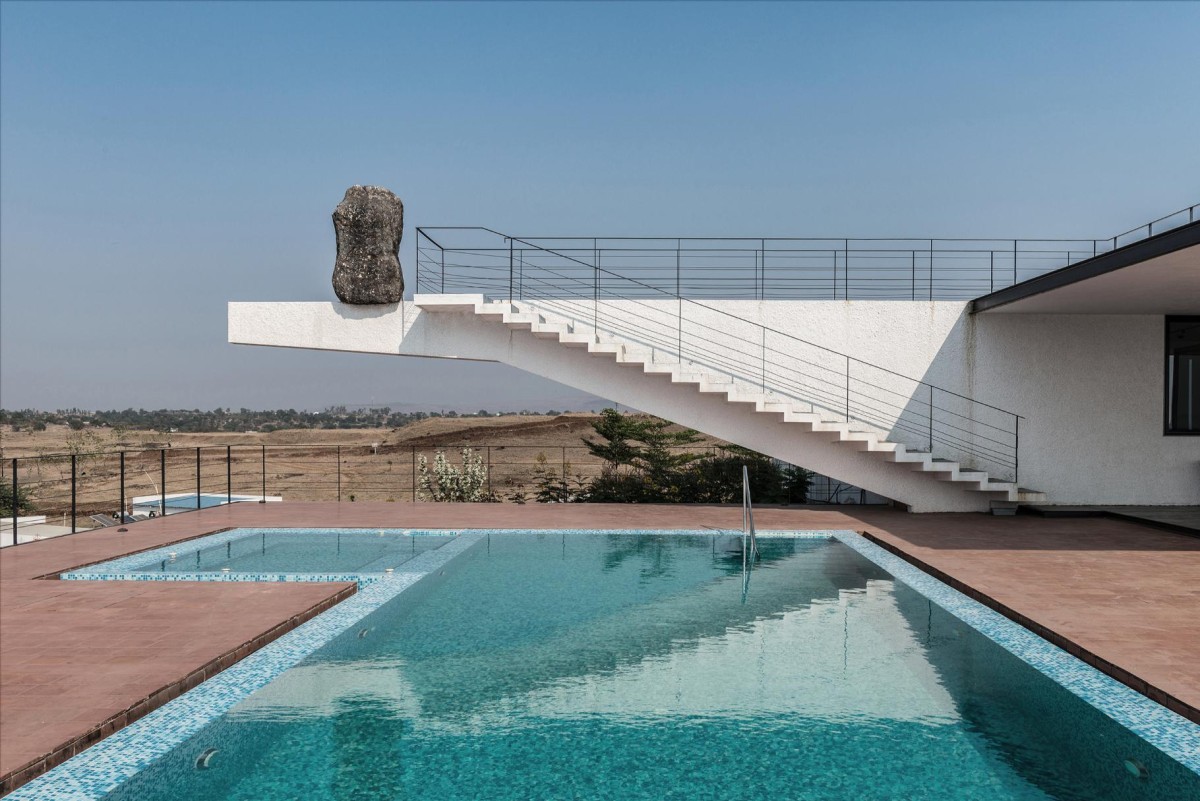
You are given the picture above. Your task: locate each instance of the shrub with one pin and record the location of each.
(448, 483)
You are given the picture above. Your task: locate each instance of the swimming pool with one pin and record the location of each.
(280, 550)
(648, 665)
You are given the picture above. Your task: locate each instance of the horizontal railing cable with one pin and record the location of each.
(577, 287)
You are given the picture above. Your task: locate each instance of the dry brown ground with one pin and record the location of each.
(300, 464)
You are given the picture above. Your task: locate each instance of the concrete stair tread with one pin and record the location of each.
(708, 381)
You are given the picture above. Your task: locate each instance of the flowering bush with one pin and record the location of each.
(447, 483)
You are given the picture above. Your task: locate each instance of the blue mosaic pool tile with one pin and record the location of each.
(105, 765)
(102, 767)
(270, 577)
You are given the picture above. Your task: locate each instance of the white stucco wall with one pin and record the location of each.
(1090, 388)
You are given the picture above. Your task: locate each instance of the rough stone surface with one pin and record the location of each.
(369, 223)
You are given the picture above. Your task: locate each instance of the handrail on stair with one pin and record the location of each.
(922, 416)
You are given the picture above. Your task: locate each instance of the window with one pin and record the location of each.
(1183, 375)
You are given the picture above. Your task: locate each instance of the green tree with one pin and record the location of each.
(6, 500)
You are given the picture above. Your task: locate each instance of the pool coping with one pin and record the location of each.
(108, 763)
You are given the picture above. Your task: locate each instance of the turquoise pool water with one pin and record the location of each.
(643, 667)
(291, 551)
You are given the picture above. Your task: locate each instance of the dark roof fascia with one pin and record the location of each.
(1152, 247)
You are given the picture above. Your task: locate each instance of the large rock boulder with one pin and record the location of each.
(369, 223)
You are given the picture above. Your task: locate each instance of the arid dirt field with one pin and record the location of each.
(298, 464)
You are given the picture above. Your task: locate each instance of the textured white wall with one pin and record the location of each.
(1089, 387)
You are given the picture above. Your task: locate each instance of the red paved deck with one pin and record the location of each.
(74, 655)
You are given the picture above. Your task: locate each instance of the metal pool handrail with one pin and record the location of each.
(748, 535)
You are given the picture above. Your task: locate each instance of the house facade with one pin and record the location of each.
(946, 375)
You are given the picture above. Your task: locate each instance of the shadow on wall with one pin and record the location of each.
(1089, 389)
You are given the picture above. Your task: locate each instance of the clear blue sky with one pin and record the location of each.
(158, 160)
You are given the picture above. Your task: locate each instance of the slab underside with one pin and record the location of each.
(75, 656)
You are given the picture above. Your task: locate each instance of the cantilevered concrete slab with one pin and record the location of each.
(1158, 275)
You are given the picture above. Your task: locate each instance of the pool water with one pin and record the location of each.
(292, 551)
(579, 666)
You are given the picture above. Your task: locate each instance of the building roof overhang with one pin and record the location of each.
(1157, 275)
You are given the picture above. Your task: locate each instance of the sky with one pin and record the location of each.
(158, 160)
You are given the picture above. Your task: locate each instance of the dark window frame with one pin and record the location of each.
(1167, 320)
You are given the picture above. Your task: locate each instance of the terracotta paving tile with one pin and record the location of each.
(75, 653)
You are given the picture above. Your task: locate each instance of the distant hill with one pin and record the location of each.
(567, 402)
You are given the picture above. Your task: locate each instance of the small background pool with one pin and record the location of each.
(292, 551)
(641, 667)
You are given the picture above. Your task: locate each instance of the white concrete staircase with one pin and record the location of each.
(573, 331)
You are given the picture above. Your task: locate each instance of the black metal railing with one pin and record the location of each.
(675, 328)
(469, 259)
(77, 492)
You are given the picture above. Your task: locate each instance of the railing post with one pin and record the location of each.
(595, 291)
(931, 269)
(762, 258)
(162, 487)
(1017, 450)
(764, 359)
(197, 478)
(913, 254)
(264, 474)
(835, 274)
(228, 474)
(442, 250)
(73, 464)
(510, 270)
(932, 388)
(679, 297)
(847, 389)
(846, 267)
(1014, 262)
(15, 494)
(339, 473)
(991, 271)
(121, 516)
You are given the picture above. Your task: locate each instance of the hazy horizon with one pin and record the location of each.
(579, 402)
(160, 160)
